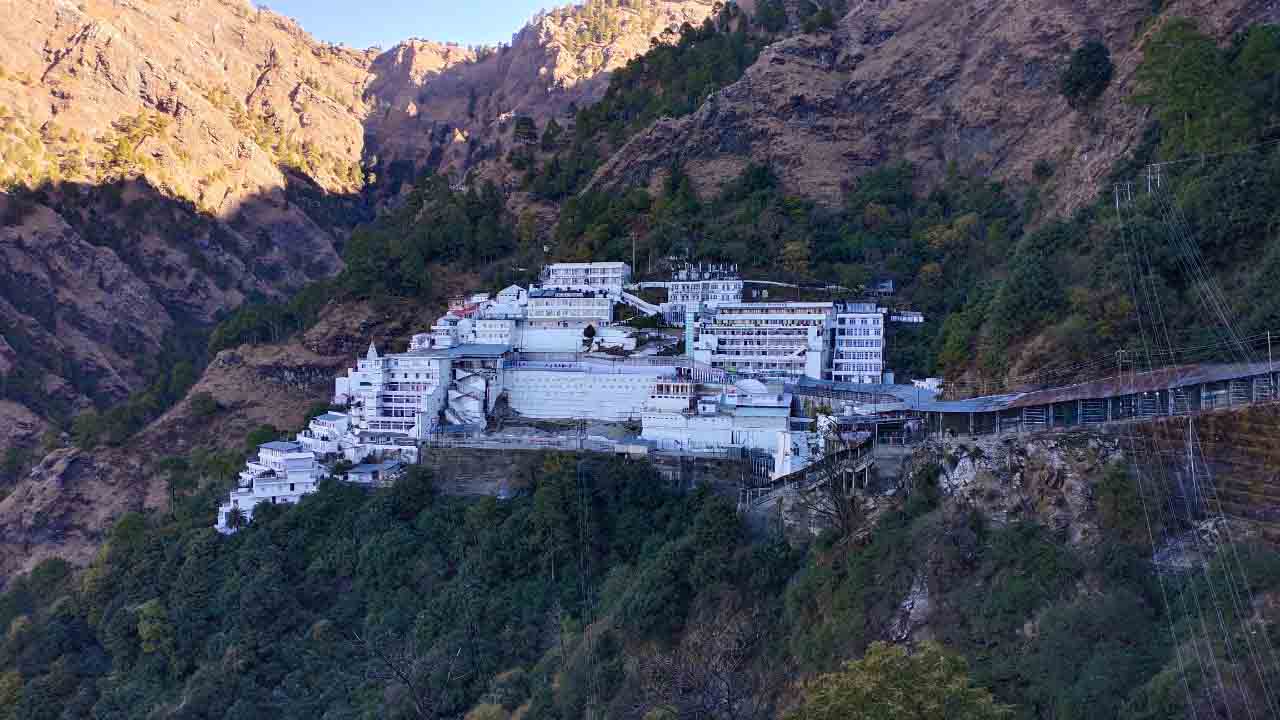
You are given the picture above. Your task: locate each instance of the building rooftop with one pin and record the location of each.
(554, 293)
(765, 306)
(752, 387)
(472, 350)
(331, 417)
(572, 265)
(367, 468)
(757, 411)
(467, 350)
(282, 446)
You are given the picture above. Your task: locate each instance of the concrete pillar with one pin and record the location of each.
(971, 433)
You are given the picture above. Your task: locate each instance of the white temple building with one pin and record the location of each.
(698, 288)
(858, 355)
(531, 350)
(607, 276)
(768, 339)
(282, 473)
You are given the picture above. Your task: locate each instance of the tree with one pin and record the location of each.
(708, 675)
(823, 19)
(1087, 75)
(827, 499)
(930, 684)
(795, 257)
(771, 15)
(236, 519)
(203, 406)
(588, 334)
(526, 130)
(426, 676)
(551, 135)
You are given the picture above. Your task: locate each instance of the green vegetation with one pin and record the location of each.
(434, 226)
(1088, 74)
(295, 615)
(116, 424)
(1210, 99)
(670, 80)
(592, 590)
(771, 15)
(890, 683)
(263, 322)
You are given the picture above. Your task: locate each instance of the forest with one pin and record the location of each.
(599, 589)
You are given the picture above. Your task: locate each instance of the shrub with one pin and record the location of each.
(1088, 74)
(203, 405)
(771, 15)
(889, 683)
(1043, 169)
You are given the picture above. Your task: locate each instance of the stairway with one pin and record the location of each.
(647, 308)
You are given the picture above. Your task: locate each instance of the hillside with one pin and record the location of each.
(165, 162)
(450, 110)
(965, 250)
(939, 84)
(598, 588)
(964, 149)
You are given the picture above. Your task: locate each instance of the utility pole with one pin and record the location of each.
(1271, 369)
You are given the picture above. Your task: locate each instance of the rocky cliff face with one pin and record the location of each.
(71, 497)
(930, 81)
(450, 109)
(169, 160)
(166, 161)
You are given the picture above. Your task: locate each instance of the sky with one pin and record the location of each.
(361, 23)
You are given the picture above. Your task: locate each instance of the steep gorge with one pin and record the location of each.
(118, 251)
(166, 161)
(969, 86)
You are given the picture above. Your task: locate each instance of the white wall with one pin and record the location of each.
(536, 339)
(676, 430)
(575, 394)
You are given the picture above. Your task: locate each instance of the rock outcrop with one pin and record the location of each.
(169, 160)
(69, 500)
(450, 109)
(934, 82)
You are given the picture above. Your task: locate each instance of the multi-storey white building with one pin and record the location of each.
(398, 393)
(606, 276)
(697, 287)
(324, 434)
(282, 473)
(570, 305)
(747, 414)
(768, 339)
(858, 355)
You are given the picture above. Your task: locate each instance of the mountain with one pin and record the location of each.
(946, 145)
(165, 162)
(967, 86)
(447, 109)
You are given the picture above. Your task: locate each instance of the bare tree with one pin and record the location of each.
(826, 497)
(708, 676)
(425, 675)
